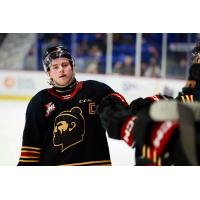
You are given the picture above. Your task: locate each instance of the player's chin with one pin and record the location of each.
(63, 82)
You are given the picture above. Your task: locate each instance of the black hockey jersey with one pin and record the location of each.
(65, 130)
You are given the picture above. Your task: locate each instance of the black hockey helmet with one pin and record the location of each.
(196, 50)
(56, 52)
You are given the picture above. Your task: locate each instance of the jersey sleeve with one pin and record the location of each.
(194, 72)
(34, 130)
(104, 90)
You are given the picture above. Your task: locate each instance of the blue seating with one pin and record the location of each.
(121, 47)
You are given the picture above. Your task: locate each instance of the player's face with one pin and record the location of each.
(60, 71)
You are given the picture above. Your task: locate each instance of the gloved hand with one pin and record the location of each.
(113, 113)
(186, 95)
(154, 140)
(142, 103)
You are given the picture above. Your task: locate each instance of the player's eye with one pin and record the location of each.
(55, 67)
(65, 64)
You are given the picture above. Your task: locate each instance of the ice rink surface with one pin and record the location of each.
(11, 130)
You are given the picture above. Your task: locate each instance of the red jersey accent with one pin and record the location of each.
(69, 96)
(122, 99)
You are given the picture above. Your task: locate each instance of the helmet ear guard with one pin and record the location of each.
(56, 52)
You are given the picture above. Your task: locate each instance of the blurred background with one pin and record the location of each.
(134, 64)
(165, 55)
(118, 53)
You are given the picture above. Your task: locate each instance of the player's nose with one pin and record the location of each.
(61, 68)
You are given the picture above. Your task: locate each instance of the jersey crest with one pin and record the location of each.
(69, 128)
(49, 108)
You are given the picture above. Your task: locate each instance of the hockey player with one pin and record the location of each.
(192, 87)
(62, 127)
(194, 71)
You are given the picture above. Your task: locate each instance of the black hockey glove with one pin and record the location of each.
(162, 137)
(186, 95)
(140, 103)
(153, 140)
(113, 113)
